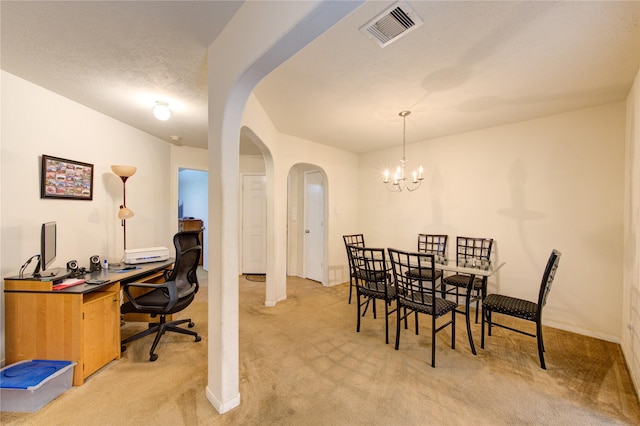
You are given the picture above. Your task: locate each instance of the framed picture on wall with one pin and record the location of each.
(61, 178)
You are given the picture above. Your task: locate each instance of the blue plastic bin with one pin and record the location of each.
(30, 385)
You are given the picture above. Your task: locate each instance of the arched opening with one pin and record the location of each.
(256, 167)
(306, 222)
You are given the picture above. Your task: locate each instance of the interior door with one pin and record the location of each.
(254, 224)
(314, 225)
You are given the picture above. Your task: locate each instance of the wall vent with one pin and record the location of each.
(393, 23)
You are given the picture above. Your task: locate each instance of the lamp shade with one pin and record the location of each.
(125, 213)
(124, 171)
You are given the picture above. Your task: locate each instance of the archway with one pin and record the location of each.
(306, 240)
(232, 75)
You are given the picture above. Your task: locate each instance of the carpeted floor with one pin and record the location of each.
(302, 363)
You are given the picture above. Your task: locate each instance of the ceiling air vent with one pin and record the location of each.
(392, 24)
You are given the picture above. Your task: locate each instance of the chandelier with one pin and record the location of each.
(400, 180)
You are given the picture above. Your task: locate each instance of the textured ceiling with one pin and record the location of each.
(471, 65)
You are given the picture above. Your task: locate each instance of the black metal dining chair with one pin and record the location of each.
(416, 293)
(373, 282)
(356, 240)
(522, 309)
(435, 244)
(471, 252)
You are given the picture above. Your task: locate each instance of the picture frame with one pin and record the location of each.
(65, 179)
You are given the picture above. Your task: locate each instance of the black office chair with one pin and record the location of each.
(356, 240)
(522, 309)
(170, 297)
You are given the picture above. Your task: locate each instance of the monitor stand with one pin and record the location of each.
(51, 273)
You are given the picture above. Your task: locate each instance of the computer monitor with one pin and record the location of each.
(47, 250)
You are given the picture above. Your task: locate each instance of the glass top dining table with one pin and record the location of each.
(472, 272)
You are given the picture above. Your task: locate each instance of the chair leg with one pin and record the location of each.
(175, 329)
(359, 307)
(386, 322)
(453, 329)
(398, 321)
(484, 313)
(433, 341)
(153, 328)
(540, 344)
(350, 287)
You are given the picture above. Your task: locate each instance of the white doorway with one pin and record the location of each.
(254, 224)
(193, 203)
(314, 225)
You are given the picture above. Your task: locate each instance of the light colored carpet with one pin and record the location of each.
(302, 363)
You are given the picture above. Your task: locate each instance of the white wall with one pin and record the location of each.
(36, 121)
(556, 182)
(630, 327)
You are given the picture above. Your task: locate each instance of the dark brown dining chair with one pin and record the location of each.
(356, 240)
(416, 293)
(373, 282)
(471, 253)
(522, 309)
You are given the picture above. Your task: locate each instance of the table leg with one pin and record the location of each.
(472, 277)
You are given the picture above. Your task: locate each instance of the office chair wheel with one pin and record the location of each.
(191, 324)
(153, 357)
(123, 348)
(198, 338)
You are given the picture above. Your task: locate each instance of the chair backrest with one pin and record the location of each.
(433, 244)
(413, 273)
(355, 240)
(473, 252)
(370, 265)
(547, 278)
(188, 251)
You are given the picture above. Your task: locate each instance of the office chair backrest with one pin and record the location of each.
(186, 270)
(188, 251)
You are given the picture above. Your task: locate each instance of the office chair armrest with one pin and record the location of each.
(171, 290)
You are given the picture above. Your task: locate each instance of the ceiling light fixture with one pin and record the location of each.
(162, 111)
(399, 177)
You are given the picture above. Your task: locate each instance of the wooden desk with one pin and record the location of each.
(79, 323)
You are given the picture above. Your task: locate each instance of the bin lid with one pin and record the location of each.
(27, 374)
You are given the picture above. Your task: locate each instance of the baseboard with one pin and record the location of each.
(582, 331)
(220, 406)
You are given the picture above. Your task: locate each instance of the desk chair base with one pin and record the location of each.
(159, 329)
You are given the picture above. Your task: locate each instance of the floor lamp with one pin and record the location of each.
(124, 172)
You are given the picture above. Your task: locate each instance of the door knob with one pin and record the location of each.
(306, 231)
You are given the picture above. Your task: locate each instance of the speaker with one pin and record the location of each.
(94, 263)
(72, 266)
